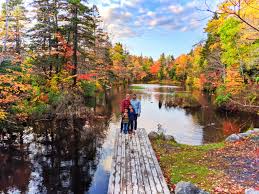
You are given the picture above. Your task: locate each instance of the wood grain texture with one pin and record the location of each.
(135, 169)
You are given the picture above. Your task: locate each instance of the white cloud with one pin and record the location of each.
(129, 18)
(176, 9)
(151, 13)
(153, 22)
(142, 10)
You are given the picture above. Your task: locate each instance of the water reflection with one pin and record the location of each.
(74, 155)
(56, 157)
(15, 169)
(189, 126)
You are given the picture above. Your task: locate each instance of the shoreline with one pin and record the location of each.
(216, 167)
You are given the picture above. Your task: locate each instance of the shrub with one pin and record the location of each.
(88, 88)
(3, 114)
(222, 95)
(54, 97)
(222, 99)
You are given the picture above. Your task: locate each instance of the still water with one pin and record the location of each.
(75, 155)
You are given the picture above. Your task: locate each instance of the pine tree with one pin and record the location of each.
(43, 35)
(13, 29)
(79, 30)
(102, 62)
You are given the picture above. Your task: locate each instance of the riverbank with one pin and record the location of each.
(245, 102)
(165, 82)
(237, 107)
(217, 168)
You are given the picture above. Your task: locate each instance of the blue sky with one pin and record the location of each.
(151, 27)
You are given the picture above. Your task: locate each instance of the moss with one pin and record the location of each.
(185, 163)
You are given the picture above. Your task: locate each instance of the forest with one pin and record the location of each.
(58, 52)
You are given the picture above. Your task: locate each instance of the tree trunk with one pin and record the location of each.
(6, 26)
(49, 38)
(75, 44)
(56, 31)
(17, 37)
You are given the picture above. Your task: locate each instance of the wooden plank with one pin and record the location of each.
(134, 179)
(142, 166)
(147, 165)
(159, 171)
(151, 163)
(135, 169)
(128, 166)
(118, 166)
(113, 170)
(139, 175)
(123, 170)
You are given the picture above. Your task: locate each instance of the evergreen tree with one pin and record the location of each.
(43, 35)
(13, 27)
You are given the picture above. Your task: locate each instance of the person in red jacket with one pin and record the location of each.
(125, 105)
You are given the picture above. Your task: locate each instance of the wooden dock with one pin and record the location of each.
(135, 169)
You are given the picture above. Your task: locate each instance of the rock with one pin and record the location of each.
(169, 138)
(153, 135)
(252, 131)
(243, 135)
(188, 188)
(233, 137)
(251, 191)
(255, 138)
(249, 132)
(160, 129)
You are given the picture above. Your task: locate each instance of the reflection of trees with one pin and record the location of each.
(15, 169)
(64, 154)
(69, 159)
(217, 125)
(230, 127)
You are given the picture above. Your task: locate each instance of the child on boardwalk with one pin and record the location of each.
(125, 120)
(131, 118)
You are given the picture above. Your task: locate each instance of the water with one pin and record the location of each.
(75, 155)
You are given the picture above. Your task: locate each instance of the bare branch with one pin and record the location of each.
(235, 13)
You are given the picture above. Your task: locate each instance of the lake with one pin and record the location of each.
(74, 155)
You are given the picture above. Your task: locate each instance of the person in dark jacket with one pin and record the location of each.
(125, 121)
(125, 105)
(132, 115)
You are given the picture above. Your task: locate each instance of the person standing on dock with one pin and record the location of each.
(136, 104)
(125, 121)
(124, 105)
(132, 116)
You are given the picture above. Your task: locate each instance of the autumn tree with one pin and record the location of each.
(181, 64)
(239, 9)
(99, 56)
(119, 58)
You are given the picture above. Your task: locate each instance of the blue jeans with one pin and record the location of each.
(125, 127)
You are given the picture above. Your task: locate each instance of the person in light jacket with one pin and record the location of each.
(136, 104)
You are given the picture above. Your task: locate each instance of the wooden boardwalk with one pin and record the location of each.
(135, 169)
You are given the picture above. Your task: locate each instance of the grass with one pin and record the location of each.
(166, 82)
(134, 87)
(185, 163)
(184, 100)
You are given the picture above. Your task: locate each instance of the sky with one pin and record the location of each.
(152, 27)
